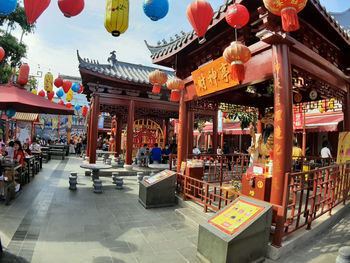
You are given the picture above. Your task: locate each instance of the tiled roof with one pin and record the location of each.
(121, 70)
(343, 18)
(164, 48)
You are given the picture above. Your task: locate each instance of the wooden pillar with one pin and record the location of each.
(206, 142)
(166, 131)
(7, 130)
(304, 133)
(94, 128)
(89, 133)
(130, 133)
(283, 120)
(346, 110)
(259, 124)
(118, 139)
(215, 133)
(182, 138)
(190, 122)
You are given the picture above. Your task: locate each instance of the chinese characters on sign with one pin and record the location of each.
(298, 121)
(159, 176)
(213, 77)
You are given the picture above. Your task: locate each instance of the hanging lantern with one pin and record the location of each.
(71, 7)
(157, 78)
(75, 87)
(175, 85)
(68, 105)
(48, 85)
(69, 95)
(237, 54)
(42, 93)
(320, 107)
(61, 102)
(58, 82)
(34, 8)
(77, 107)
(155, 9)
(331, 104)
(2, 54)
(84, 110)
(237, 15)
(10, 112)
(117, 16)
(7, 7)
(34, 91)
(66, 86)
(50, 94)
(23, 74)
(288, 10)
(200, 13)
(60, 93)
(81, 89)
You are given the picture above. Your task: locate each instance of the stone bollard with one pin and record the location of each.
(73, 181)
(343, 255)
(119, 183)
(114, 177)
(109, 161)
(140, 176)
(87, 173)
(97, 186)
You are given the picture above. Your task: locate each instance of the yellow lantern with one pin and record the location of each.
(331, 104)
(34, 91)
(69, 95)
(117, 16)
(48, 82)
(320, 107)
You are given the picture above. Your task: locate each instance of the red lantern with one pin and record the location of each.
(158, 78)
(2, 53)
(84, 110)
(81, 89)
(61, 102)
(69, 105)
(71, 7)
(23, 74)
(237, 54)
(50, 95)
(237, 15)
(41, 93)
(58, 82)
(200, 13)
(175, 85)
(34, 8)
(288, 10)
(66, 86)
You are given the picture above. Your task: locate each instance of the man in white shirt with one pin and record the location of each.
(325, 152)
(196, 150)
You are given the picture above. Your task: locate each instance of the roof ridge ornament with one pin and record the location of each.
(113, 58)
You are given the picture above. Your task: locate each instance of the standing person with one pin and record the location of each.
(156, 154)
(325, 151)
(10, 150)
(219, 151)
(297, 151)
(84, 145)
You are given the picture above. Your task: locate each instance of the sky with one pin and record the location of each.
(56, 39)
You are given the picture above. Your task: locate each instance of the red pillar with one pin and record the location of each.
(182, 139)
(94, 128)
(206, 142)
(190, 122)
(130, 133)
(7, 130)
(118, 139)
(283, 120)
(89, 133)
(259, 127)
(346, 110)
(215, 133)
(166, 131)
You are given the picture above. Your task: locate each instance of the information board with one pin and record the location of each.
(343, 155)
(159, 176)
(236, 216)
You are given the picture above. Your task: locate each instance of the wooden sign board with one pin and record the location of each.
(236, 216)
(343, 154)
(213, 77)
(159, 177)
(183, 167)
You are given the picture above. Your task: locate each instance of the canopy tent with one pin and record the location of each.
(12, 95)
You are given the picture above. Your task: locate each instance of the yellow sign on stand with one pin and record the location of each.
(343, 155)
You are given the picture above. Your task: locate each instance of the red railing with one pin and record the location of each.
(209, 195)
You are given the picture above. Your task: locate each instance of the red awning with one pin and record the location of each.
(229, 129)
(323, 123)
(12, 95)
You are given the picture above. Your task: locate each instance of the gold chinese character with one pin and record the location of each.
(213, 77)
(201, 83)
(225, 73)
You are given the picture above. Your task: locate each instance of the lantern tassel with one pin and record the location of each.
(290, 21)
(237, 71)
(175, 95)
(156, 88)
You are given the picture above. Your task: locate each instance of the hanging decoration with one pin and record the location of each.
(200, 14)
(320, 106)
(331, 104)
(61, 102)
(117, 16)
(75, 87)
(298, 97)
(2, 54)
(10, 112)
(50, 94)
(288, 10)
(237, 54)
(66, 86)
(69, 95)
(84, 111)
(48, 85)
(34, 8)
(81, 89)
(58, 82)
(34, 91)
(60, 93)
(175, 85)
(42, 93)
(23, 74)
(7, 7)
(68, 105)
(157, 78)
(71, 7)
(77, 107)
(155, 9)
(237, 15)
